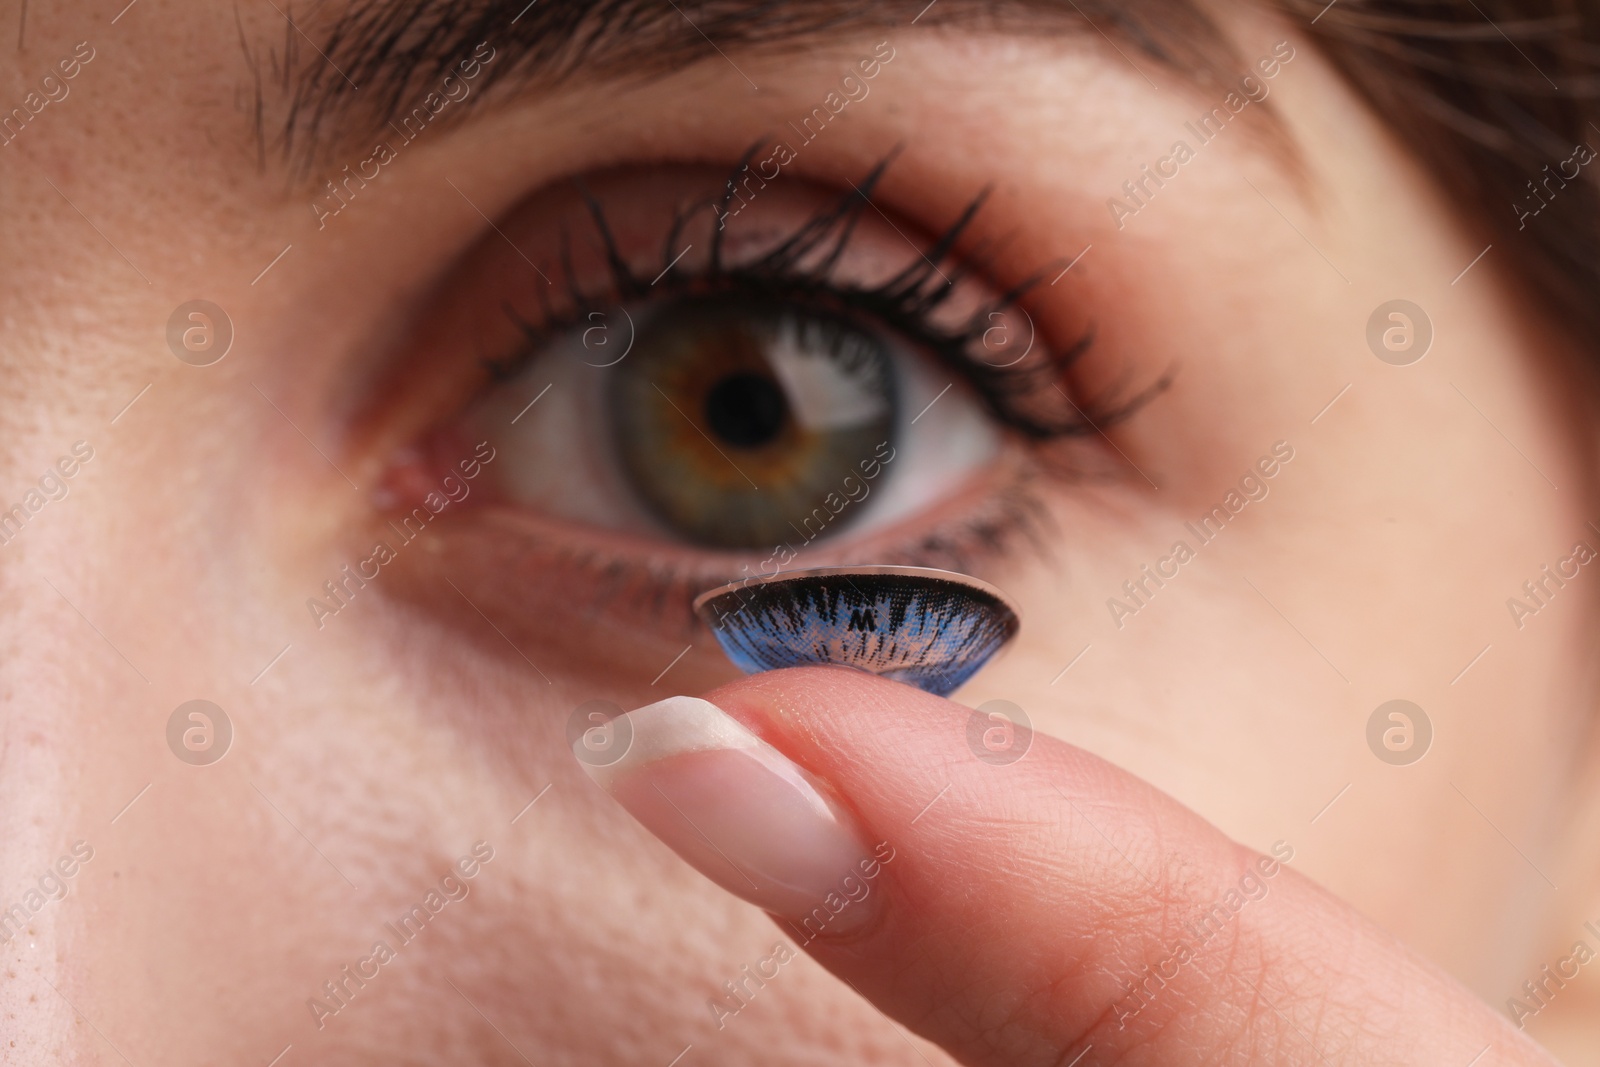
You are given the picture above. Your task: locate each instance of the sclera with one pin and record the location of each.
(929, 628)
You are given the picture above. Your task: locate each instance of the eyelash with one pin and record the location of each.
(1021, 397)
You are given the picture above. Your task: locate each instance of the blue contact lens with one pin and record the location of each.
(929, 628)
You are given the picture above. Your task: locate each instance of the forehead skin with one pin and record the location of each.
(371, 754)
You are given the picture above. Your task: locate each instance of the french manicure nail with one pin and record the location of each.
(742, 814)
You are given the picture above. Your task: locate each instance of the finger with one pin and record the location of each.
(1049, 911)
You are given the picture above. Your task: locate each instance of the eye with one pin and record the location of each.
(676, 379)
(734, 423)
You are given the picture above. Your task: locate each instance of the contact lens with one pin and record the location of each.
(929, 628)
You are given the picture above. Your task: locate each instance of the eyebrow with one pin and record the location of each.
(347, 71)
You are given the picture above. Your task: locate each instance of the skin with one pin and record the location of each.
(1221, 956)
(373, 755)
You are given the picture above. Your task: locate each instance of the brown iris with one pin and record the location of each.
(735, 420)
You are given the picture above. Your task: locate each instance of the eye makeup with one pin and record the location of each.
(989, 343)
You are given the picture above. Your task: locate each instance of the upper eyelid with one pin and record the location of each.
(394, 48)
(1019, 397)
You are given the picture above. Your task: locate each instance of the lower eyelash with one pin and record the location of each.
(1023, 398)
(1015, 513)
(662, 591)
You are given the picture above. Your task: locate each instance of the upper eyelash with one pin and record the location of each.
(1018, 396)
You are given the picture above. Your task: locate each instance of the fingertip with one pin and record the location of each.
(738, 810)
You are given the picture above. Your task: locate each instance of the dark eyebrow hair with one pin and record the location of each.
(345, 71)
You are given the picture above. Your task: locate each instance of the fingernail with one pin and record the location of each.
(741, 813)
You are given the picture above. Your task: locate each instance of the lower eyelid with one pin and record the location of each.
(549, 585)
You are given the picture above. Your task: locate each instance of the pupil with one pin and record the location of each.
(746, 410)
